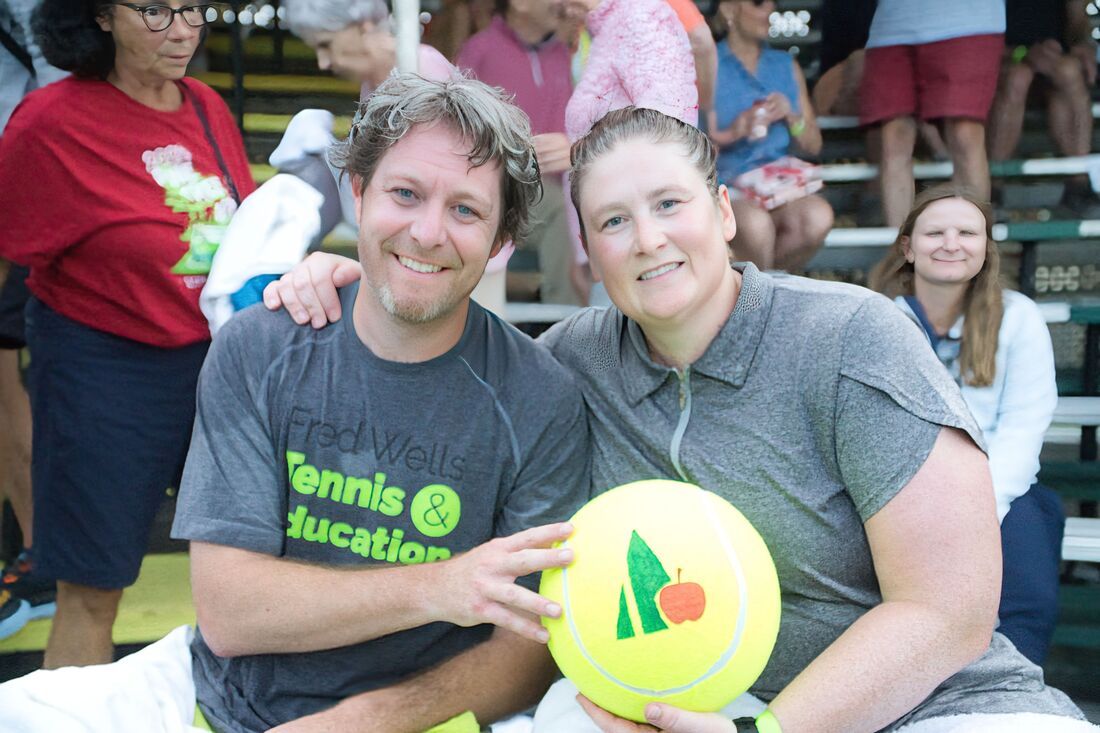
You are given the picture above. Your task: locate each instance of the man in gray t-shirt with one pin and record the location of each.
(344, 486)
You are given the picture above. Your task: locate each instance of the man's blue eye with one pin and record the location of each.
(667, 204)
(404, 193)
(613, 221)
(465, 210)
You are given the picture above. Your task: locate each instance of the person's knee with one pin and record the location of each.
(899, 135)
(817, 220)
(1068, 76)
(97, 603)
(965, 137)
(1016, 80)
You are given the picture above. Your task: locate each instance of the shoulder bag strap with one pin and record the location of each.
(200, 110)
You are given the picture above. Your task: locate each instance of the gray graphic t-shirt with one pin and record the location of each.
(307, 446)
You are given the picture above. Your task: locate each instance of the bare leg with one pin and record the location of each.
(755, 239)
(899, 135)
(966, 141)
(1006, 118)
(15, 443)
(81, 631)
(801, 227)
(1069, 113)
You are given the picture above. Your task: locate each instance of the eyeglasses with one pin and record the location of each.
(159, 17)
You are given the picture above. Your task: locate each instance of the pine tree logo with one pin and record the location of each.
(652, 592)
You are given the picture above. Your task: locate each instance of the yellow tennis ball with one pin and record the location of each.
(672, 596)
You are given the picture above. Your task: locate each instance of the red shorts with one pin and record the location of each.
(952, 78)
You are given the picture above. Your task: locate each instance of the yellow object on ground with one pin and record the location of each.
(158, 602)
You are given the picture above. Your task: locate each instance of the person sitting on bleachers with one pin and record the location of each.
(935, 61)
(1049, 41)
(943, 271)
(761, 109)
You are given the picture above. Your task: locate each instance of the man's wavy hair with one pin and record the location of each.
(70, 38)
(495, 129)
(984, 304)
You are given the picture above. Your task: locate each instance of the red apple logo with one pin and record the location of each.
(682, 601)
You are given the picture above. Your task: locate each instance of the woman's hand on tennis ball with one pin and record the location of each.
(663, 718)
(479, 586)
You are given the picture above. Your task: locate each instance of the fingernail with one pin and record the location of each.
(553, 610)
(544, 635)
(652, 713)
(565, 556)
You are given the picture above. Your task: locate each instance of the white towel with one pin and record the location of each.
(149, 691)
(268, 235)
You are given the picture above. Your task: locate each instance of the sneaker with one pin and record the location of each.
(14, 614)
(40, 594)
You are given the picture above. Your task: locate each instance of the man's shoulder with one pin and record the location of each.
(263, 337)
(519, 358)
(589, 340)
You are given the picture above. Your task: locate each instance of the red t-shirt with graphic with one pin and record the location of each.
(118, 208)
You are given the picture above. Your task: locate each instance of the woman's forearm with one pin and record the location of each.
(881, 667)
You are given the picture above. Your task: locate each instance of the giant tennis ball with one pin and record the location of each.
(672, 596)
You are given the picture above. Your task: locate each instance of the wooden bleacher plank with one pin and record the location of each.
(262, 46)
(158, 602)
(1082, 539)
(281, 83)
(854, 172)
(274, 124)
(1020, 231)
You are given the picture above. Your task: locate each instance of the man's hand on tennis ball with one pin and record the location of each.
(663, 718)
(479, 586)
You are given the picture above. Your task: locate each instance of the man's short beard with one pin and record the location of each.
(415, 313)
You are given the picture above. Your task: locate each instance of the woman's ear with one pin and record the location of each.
(725, 210)
(103, 19)
(906, 250)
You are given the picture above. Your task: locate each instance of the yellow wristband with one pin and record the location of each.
(767, 723)
(798, 127)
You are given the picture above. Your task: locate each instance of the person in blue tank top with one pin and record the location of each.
(761, 110)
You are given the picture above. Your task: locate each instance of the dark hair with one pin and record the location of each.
(496, 130)
(70, 38)
(984, 305)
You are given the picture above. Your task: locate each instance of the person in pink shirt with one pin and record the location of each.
(640, 56)
(520, 52)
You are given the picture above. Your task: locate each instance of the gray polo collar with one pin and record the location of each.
(728, 357)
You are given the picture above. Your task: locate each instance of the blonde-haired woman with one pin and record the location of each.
(944, 272)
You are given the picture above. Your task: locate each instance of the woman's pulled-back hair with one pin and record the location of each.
(629, 123)
(304, 18)
(494, 128)
(70, 38)
(984, 303)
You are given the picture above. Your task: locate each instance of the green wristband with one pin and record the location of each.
(767, 723)
(798, 127)
(1019, 54)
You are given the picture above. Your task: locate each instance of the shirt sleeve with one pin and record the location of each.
(687, 13)
(654, 61)
(554, 477)
(893, 398)
(1027, 402)
(233, 491)
(45, 224)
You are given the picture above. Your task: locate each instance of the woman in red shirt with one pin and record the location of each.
(118, 184)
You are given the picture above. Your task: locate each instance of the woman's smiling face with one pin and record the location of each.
(655, 231)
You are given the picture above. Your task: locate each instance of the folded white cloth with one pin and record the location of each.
(559, 711)
(268, 235)
(150, 691)
(308, 133)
